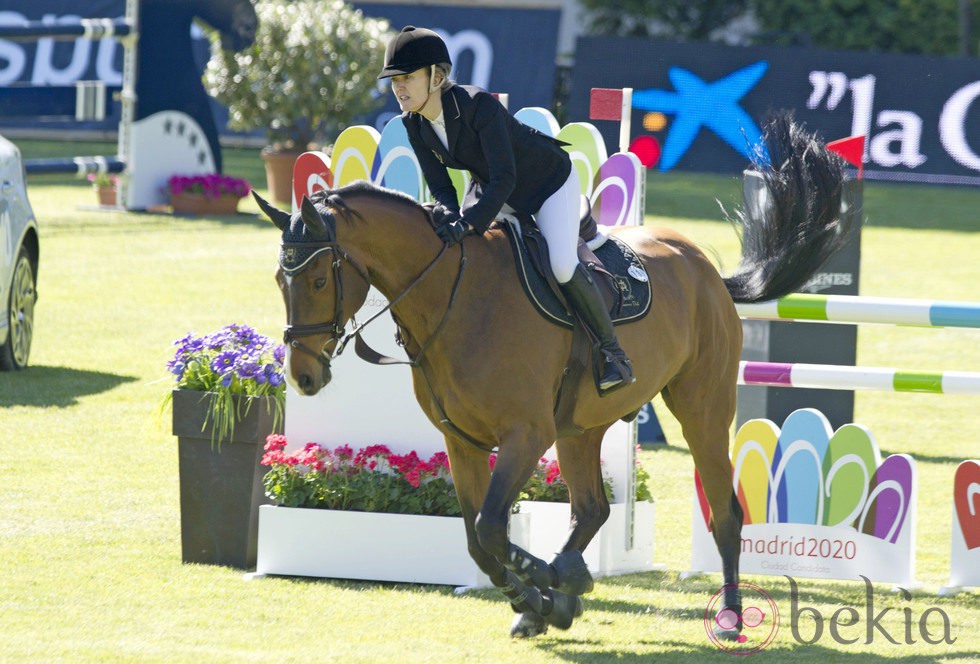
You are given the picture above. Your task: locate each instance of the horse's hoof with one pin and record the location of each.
(565, 609)
(728, 623)
(573, 574)
(726, 634)
(526, 625)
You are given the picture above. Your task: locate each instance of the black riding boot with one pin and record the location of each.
(584, 296)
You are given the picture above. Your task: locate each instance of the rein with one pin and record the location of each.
(335, 328)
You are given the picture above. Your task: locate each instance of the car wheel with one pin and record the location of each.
(20, 315)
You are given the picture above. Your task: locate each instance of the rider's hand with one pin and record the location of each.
(452, 230)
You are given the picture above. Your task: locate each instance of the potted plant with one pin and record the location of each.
(372, 514)
(309, 74)
(228, 397)
(212, 193)
(105, 188)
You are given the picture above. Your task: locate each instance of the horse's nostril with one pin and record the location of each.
(305, 383)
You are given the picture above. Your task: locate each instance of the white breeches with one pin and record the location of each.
(558, 221)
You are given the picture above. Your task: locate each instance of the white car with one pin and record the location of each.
(19, 253)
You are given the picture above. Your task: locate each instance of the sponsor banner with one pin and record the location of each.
(501, 50)
(60, 62)
(816, 503)
(964, 556)
(808, 550)
(701, 105)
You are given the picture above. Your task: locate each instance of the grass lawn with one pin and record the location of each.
(90, 532)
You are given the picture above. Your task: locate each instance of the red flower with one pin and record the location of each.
(552, 472)
(275, 441)
(272, 457)
(440, 460)
(412, 477)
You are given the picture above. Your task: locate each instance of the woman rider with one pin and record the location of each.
(465, 127)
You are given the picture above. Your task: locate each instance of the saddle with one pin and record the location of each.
(621, 276)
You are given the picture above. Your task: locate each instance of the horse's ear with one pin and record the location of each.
(279, 217)
(313, 220)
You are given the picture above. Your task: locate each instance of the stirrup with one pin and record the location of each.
(616, 372)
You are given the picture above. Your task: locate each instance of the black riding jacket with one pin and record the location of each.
(508, 161)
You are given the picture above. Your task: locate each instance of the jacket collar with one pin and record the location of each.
(451, 114)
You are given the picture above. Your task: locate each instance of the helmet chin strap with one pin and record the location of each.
(432, 88)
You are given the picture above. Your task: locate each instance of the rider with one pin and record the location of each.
(513, 167)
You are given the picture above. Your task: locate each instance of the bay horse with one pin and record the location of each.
(486, 366)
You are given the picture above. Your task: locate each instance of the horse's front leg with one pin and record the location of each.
(471, 477)
(515, 462)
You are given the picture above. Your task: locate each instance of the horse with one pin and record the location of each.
(486, 367)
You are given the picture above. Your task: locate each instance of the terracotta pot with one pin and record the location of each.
(220, 485)
(185, 203)
(279, 174)
(107, 195)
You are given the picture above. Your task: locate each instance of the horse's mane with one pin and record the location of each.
(335, 197)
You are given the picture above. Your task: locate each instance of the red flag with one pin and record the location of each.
(852, 150)
(606, 104)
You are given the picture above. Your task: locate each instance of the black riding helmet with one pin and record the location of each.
(411, 49)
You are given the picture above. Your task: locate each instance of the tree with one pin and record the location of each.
(676, 19)
(891, 26)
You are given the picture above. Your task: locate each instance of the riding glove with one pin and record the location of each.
(451, 231)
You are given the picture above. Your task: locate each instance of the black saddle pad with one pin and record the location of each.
(629, 275)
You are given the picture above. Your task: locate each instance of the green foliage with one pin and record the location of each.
(373, 479)
(892, 26)
(679, 19)
(310, 73)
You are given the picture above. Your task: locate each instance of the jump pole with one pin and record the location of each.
(860, 309)
(830, 377)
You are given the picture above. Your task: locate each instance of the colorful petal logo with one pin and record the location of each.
(966, 498)
(614, 185)
(805, 473)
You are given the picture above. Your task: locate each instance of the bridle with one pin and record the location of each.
(292, 333)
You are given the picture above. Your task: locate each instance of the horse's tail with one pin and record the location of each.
(797, 223)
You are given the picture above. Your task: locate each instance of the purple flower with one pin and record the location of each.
(235, 358)
(224, 361)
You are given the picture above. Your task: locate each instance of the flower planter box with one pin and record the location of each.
(220, 486)
(403, 548)
(199, 204)
(610, 551)
(429, 549)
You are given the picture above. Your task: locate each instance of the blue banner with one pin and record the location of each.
(699, 106)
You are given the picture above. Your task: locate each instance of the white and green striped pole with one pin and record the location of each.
(860, 309)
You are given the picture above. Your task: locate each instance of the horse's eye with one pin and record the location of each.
(320, 283)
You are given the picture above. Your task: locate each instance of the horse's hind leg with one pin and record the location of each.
(581, 467)
(705, 405)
